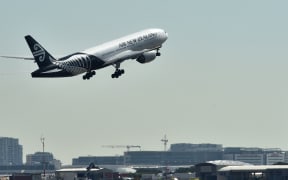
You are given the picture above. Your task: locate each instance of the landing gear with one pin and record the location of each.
(88, 75)
(118, 73)
(158, 53)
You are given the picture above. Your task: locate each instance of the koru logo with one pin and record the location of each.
(38, 52)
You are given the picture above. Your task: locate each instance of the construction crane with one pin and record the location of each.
(123, 146)
(165, 141)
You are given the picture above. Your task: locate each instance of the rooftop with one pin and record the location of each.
(253, 168)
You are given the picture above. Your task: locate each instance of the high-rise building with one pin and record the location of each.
(11, 152)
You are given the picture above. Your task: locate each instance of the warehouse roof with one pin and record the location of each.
(253, 168)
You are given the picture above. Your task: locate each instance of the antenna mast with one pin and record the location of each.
(42, 139)
(165, 141)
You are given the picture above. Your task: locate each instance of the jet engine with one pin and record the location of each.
(147, 57)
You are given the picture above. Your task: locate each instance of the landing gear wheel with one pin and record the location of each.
(118, 73)
(88, 75)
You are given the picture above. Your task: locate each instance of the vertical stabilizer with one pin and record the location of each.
(41, 56)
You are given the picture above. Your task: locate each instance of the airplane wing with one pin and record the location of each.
(14, 57)
(129, 54)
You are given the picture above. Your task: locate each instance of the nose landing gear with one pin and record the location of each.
(158, 53)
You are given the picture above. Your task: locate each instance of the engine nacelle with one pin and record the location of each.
(147, 57)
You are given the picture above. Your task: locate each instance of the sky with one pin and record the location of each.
(221, 78)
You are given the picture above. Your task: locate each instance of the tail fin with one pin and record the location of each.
(41, 56)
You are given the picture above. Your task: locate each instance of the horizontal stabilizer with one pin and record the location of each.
(14, 57)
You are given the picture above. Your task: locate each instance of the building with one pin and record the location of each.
(190, 154)
(83, 173)
(275, 157)
(103, 160)
(39, 158)
(21, 176)
(17, 169)
(179, 154)
(255, 156)
(11, 152)
(267, 172)
(286, 157)
(187, 147)
(208, 170)
(169, 157)
(231, 170)
(151, 158)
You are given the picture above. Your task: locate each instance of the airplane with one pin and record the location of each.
(141, 46)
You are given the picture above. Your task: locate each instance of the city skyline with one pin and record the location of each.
(221, 76)
(176, 147)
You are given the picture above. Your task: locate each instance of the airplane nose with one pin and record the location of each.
(162, 35)
(165, 36)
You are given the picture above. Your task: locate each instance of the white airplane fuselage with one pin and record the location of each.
(142, 46)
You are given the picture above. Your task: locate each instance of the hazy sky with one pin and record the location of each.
(222, 77)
